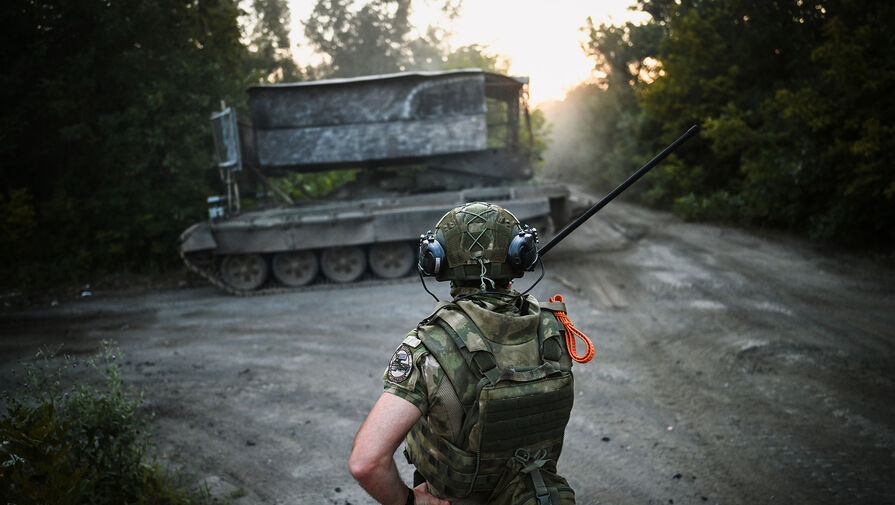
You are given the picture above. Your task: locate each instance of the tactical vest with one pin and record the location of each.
(514, 417)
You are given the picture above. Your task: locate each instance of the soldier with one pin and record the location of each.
(482, 389)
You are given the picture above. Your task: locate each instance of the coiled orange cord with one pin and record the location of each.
(571, 333)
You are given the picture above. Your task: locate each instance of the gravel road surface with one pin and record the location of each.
(731, 368)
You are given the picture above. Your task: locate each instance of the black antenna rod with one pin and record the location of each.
(617, 191)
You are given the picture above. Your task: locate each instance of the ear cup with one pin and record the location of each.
(523, 251)
(431, 255)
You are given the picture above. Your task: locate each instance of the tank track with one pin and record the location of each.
(205, 265)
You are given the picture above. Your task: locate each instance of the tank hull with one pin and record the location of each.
(369, 226)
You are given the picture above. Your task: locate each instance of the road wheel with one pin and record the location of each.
(295, 268)
(343, 264)
(244, 271)
(392, 259)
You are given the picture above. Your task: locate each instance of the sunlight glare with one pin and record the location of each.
(542, 40)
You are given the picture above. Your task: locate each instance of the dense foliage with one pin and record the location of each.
(795, 102)
(81, 442)
(105, 145)
(373, 37)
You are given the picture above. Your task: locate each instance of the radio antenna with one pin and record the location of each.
(617, 191)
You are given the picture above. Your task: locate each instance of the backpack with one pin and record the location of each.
(514, 416)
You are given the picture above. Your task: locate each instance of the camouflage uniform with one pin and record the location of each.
(514, 330)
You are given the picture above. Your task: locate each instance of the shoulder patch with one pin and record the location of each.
(401, 364)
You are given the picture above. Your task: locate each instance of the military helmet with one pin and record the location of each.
(475, 241)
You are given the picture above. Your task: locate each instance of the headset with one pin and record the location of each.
(431, 255)
(522, 253)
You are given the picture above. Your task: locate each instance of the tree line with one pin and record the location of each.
(793, 96)
(106, 156)
(105, 148)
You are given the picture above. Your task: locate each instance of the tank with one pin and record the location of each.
(421, 143)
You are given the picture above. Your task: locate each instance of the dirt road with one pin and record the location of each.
(731, 368)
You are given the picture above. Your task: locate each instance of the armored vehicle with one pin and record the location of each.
(419, 143)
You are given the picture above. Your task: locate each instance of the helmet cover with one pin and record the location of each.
(476, 236)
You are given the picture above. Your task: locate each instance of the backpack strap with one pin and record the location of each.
(550, 334)
(553, 306)
(438, 308)
(473, 347)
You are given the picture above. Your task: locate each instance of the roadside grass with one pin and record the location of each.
(65, 441)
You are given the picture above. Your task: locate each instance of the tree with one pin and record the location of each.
(104, 113)
(476, 56)
(791, 97)
(825, 136)
(375, 37)
(269, 56)
(369, 40)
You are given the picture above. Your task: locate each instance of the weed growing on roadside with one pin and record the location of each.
(82, 442)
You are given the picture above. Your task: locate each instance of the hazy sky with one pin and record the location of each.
(542, 39)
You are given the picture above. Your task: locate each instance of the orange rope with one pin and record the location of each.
(571, 333)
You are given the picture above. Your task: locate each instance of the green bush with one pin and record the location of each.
(37, 467)
(81, 443)
(719, 206)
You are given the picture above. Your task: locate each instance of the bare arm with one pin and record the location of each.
(372, 460)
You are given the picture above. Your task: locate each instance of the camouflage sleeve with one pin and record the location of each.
(404, 376)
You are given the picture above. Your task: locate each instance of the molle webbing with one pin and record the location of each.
(524, 421)
(449, 470)
(532, 416)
